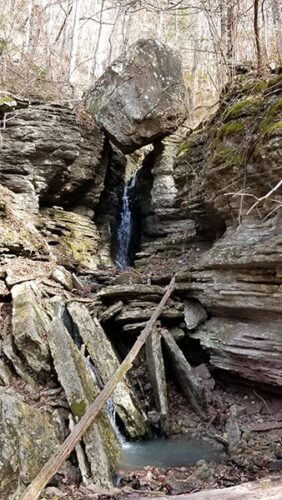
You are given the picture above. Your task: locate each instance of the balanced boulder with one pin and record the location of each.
(141, 97)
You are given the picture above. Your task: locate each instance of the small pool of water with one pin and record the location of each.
(168, 453)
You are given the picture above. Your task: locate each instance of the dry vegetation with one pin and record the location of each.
(55, 48)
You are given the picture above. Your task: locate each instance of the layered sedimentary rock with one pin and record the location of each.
(51, 155)
(141, 96)
(73, 238)
(106, 363)
(227, 177)
(165, 229)
(54, 156)
(240, 281)
(101, 445)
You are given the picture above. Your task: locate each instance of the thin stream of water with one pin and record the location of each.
(110, 409)
(125, 226)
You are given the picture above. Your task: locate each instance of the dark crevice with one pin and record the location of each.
(109, 206)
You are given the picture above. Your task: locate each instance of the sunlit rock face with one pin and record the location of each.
(51, 154)
(141, 96)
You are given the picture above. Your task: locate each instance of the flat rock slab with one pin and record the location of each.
(141, 97)
(252, 350)
(129, 291)
(22, 269)
(112, 311)
(106, 363)
(187, 379)
(258, 490)
(100, 442)
(264, 426)
(30, 324)
(156, 368)
(130, 314)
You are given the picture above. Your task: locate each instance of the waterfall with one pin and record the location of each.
(110, 409)
(124, 231)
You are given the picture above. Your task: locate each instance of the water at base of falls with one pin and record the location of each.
(167, 453)
(124, 231)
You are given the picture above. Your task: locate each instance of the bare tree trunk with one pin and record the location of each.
(74, 39)
(160, 25)
(257, 35)
(111, 37)
(277, 21)
(27, 38)
(230, 31)
(223, 25)
(94, 62)
(264, 37)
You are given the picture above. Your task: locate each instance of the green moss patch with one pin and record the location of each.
(227, 156)
(4, 99)
(245, 107)
(230, 128)
(275, 128)
(183, 149)
(255, 86)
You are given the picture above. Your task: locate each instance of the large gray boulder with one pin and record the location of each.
(30, 324)
(141, 97)
(28, 437)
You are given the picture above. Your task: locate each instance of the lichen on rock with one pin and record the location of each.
(28, 437)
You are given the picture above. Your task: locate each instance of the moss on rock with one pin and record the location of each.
(243, 107)
(230, 128)
(273, 129)
(234, 152)
(101, 445)
(28, 437)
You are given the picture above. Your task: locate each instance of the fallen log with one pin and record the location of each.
(265, 489)
(55, 461)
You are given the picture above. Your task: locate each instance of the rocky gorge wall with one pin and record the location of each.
(62, 301)
(220, 221)
(55, 160)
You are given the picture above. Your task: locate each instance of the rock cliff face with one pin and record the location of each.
(57, 157)
(50, 155)
(221, 221)
(208, 209)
